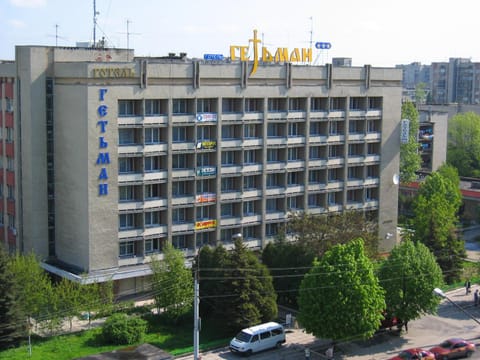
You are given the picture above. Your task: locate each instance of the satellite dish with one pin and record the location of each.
(396, 179)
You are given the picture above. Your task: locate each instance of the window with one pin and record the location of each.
(127, 249)
(314, 152)
(372, 171)
(231, 105)
(334, 151)
(315, 128)
(179, 133)
(228, 158)
(253, 105)
(179, 106)
(373, 149)
(228, 132)
(292, 203)
(205, 133)
(152, 163)
(271, 229)
(203, 212)
(293, 178)
(355, 149)
(337, 103)
(273, 130)
(227, 210)
(273, 155)
(202, 239)
(249, 131)
(179, 161)
(249, 157)
(296, 104)
(314, 200)
(319, 104)
(275, 104)
(126, 165)
(333, 128)
(228, 184)
(206, 105)
(153, 246)
(179, 188)
(152, 107)
(271, 205)
(152, 135)
(203, 186)
(249, 232)
(126, 108)
(152, 191)
(179, 215)
(1, 218)
(126, 136)
(127, 221)
(10, 192)
(152, 218)
(372, 126)
(10, 163)
(249, 182)
(11, 220)
(9, 105)
(314, 177)
(9, 134)
(293, 154)
(293, 129)
(179, 242)
(273, 180)
(334, 174)
(249, 208)
(126, 193)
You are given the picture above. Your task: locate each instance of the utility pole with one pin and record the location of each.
(196, 318)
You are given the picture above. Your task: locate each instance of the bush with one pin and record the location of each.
(120, 329)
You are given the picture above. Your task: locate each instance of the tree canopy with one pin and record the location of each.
(341, 298)
(463, 150)
(409, 276)
(172, 283)
(237, 288)
(410, 160)
(435, 209)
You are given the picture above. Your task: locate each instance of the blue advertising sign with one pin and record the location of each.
(323, 45)
(212, 57)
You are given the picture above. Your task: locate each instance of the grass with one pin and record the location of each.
(176, 339)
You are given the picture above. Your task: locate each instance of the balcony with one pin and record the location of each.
(355, 183)
(231, 195)
(183, 118)
(129, 178)
(335, 161)
(183, 200)
(252, 168)
(372, 136)
(131, 260)
(159, 229)
(372, 158)
(316, 139)
(334, 185)
(182, 227)
(294, 189)
(275, 191)
(229, 221)
(275, 165)
(274, 215)
(317, 163)
(295, 164)
(183, 173)
(129, 120)
(156, 120)
(130, 149)
(130, 206)
(155, 204)
(135, 233)
(152, 149)
(252, 193)
(316, 187)
(296, 140)
(253, 116)
(231, 169)
(276, 141)
(231, 143)
(252, 142)
(355, 159)
(231, 116)
(183, 146)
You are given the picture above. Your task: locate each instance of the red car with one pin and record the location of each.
(453, 348)
(414, 354)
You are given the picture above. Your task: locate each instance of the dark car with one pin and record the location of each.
(453, 348)
(414, 354)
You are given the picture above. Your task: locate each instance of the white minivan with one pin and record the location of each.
(258, 338)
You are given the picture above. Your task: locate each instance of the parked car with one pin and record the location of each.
(414, 354)
(258, 338)
(453, 348)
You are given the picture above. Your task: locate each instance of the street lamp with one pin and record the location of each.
(440, 293)
(237, 236)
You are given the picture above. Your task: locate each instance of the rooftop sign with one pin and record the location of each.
(266, 56)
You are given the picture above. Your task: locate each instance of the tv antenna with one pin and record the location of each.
(56, 35)
(95, 13)
(128, 33)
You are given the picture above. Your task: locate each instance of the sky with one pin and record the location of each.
(381, 33)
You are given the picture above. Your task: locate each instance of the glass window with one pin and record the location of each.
(179, 161)
(125, 165)
(153, 246)
(152, 218)
(152, 135)
(228, 132)
(227, 210)
(152, 163)
(293, 154)
(271, 229)
(152, 107)
(127, 249)
(249, 182)
(228, 158)
(126, 193)
(293, 129)
(10, 192)
(152, 191)
(179, 188)
(126, 107)
(179, 215)
(228, 184)
(179, 106)
(249, 131)
(126, 136)
(273, 155)
(127, 221)
(179, 133)
(273, 130)
(179, 242)
(249, 208)
(249, 157)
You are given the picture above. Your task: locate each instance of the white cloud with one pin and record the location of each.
(17, 24)
(29, 3)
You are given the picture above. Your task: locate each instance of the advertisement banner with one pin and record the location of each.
(205, 224)
(207, 145)
(206, 197)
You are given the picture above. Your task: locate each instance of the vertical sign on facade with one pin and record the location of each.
(404, 131)
(103, 158)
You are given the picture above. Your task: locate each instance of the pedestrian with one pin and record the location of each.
(467, 287)
(475, 297)
(329, 353)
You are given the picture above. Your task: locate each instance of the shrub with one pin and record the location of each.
(120, 329)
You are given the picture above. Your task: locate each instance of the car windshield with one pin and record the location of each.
(446, 344)
(243, 336)
(405, 355)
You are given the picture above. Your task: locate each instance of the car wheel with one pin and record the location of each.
(445, 357)
(279, 345)
(469, 353)
(248, 353)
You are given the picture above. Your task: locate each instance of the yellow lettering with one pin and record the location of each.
(281, 55)
(266, 55)
(295, 55)
(233, 55)
(307, 55)
(243, 53)
(113, 72)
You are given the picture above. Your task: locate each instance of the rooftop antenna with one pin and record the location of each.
(95, 13)
(311, 31)
(128, 33)
(56, 35)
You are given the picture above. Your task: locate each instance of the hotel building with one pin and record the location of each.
(119, 154)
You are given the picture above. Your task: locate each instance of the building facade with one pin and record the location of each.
(121, 154)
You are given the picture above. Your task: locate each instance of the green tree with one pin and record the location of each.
(288, 262)
(35, 285)
(69, 299)
(410, 160)
(172, 283)
(435, 221)
(320, 232)
(252, 298)
(341, 298)
(12, 319)
(420, 93)
(463, 149)
(409, 276)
